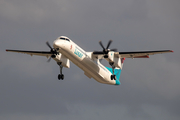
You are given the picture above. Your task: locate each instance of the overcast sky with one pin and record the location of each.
(30, 90)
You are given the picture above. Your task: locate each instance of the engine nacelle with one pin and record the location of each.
(112, 58)
(64, 60)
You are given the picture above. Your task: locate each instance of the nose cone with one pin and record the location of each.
(57, 44)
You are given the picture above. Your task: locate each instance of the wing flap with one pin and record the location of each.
(146, 56)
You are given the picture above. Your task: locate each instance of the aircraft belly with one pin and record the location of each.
(98, 73)
(88, 66)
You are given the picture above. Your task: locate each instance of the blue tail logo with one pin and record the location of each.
(117, 72)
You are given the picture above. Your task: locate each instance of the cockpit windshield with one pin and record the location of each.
(63, 38)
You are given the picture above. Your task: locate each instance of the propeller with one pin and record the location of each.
(53, 51)
(49, 59)
(105, 50)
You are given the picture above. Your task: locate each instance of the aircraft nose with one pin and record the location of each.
(57, 44)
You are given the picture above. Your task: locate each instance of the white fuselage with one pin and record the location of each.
(92, 68)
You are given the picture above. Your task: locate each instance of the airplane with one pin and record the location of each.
(65, 50)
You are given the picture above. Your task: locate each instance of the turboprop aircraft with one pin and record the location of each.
(65, 50)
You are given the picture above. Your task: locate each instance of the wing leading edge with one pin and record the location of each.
(135, 54)
(141, 54)
(39, 53)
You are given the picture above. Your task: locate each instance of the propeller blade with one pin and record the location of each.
(49, 59)
(105, 50)
(101, 45)
(109, 43)
(47, 43)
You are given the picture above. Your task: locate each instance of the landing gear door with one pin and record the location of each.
(63, 60)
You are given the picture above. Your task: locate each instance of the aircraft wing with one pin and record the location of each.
(39, 53)
(141, 54)
(135, 54)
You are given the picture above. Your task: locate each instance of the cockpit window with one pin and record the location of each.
(67, 39)
(64, 39)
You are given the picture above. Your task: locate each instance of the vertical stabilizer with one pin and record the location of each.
(117, 72)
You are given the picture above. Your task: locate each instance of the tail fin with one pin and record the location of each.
(117, 72)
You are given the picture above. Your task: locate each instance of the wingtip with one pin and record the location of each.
(171, 51)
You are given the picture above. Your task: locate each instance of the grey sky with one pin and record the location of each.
(29, 88)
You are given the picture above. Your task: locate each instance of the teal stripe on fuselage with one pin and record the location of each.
(117, 72)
